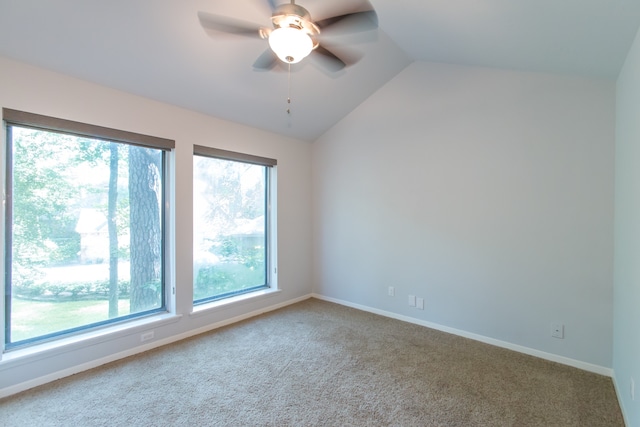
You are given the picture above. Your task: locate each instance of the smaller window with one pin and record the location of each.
(231, 223)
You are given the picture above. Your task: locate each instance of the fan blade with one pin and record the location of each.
(355, 21)
(227, 25)
(329, 60)
(266, 61)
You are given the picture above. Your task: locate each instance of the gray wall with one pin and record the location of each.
(38, 91)
(626, 337)
(489, 193)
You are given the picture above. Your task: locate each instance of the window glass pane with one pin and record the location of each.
(230, 232)
(84, 233)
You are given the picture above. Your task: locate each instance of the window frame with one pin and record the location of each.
(23, 119)
(269, 222)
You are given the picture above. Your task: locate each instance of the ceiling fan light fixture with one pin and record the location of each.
(290, 44)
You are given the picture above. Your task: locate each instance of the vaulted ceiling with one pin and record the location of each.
(159, 50)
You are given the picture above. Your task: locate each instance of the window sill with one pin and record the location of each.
(86, 339)
(205, 308)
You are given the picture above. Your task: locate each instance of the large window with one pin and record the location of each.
(231, 223)
(84, 226)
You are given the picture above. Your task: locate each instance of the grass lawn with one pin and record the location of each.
(34, 318)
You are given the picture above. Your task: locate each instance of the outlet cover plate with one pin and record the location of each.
(146, 336)
(557, 330)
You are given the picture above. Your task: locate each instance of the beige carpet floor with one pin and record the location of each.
(320, 364)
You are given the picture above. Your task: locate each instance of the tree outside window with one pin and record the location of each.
(84, 232)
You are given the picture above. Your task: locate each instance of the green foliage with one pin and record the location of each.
(228, 248)
(225, 278)
(56, 289)
(66, 249)
(92, 151)
(41, 195)
(98, 289)
(29, 289)
(253, 258)
(229, 191)
(47, 194)
(26, 278)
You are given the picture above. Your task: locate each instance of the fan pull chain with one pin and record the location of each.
(289, 91)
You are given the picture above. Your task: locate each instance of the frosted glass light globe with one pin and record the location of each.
(290, 44)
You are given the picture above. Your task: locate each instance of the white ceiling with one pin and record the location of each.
(157, 49)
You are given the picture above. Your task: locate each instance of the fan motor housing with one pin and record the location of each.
(294, 16)
(292, 9)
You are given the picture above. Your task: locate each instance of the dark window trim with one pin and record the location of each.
(232, 155)
(38, 121)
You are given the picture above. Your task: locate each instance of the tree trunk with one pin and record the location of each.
(145, 198)
(113, 231)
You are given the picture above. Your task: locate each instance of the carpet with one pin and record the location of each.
(316, 363)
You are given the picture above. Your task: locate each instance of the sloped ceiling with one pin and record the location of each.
(158, 49)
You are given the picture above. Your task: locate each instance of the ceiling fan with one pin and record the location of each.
(295, 35)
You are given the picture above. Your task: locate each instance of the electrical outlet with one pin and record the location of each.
(412, 300)
(391, 291)
(146, 336)
(420, 303)
(557, 330)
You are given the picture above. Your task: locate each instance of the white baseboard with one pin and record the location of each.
(619, 394)
(17, 388)
(487, 340)
(140, 349)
